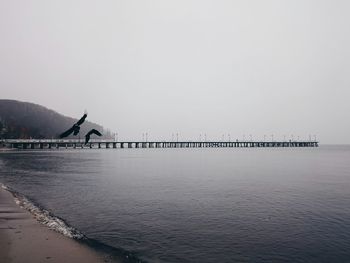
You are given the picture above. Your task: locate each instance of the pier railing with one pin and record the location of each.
(76, 143)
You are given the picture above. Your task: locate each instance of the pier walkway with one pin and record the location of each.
(56, 144)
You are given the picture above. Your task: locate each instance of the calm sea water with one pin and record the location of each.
(197, 205)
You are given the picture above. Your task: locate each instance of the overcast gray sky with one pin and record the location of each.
(188, 67)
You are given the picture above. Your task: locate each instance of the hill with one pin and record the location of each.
(24, 120)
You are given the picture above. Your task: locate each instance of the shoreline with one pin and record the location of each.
(24, 239)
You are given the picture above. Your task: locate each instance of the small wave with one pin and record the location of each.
(45, 217)
(4, 187)
(59, 225)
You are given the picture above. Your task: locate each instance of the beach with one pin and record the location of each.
(23, 239)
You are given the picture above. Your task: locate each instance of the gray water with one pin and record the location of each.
(197, 205)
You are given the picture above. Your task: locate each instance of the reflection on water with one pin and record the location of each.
(197, 205)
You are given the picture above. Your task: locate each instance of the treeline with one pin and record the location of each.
(24, 120)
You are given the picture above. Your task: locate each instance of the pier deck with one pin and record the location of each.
(106, 144)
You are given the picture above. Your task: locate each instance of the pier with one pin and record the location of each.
(107, 144)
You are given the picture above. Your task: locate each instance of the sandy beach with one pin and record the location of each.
(23, 239)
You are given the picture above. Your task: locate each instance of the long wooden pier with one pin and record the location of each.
(106, 144)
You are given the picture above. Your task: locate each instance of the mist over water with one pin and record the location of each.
(197, 205)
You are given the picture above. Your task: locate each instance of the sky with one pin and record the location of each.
(189, 67)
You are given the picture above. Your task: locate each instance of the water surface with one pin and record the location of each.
(197, 205)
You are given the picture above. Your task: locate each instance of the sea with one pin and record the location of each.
(192, 205)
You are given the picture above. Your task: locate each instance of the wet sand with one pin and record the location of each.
(23, 239)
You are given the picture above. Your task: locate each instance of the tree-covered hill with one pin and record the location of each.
(26, 120)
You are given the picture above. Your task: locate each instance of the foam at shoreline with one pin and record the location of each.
(45, 217)
(57, 224)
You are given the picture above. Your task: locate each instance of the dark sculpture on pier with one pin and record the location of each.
(93, 131)
(75, 128)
